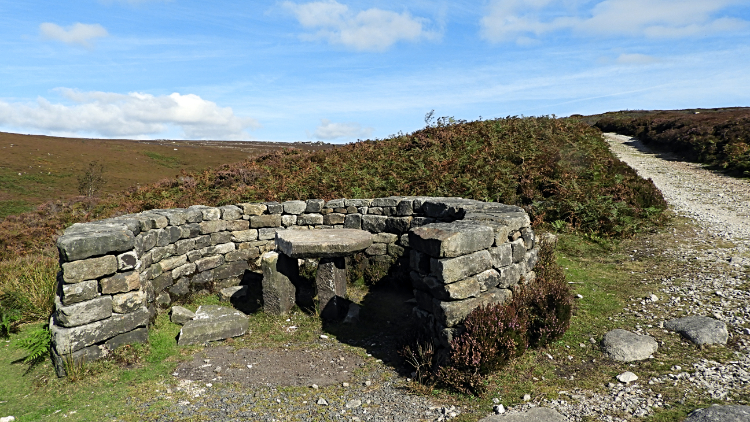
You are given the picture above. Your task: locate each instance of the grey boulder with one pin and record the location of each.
(212, 323)
(180, 315)
(716, 413)
(535, 414)
(624, 346)
(699, 329)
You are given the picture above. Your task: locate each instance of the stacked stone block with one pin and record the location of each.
(115, 273)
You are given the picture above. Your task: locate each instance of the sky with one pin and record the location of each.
(342, 70)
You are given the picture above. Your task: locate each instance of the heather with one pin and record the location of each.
(560, 170)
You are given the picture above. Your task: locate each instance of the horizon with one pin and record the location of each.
(339, 71)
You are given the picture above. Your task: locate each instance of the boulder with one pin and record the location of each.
(624, 346)
(180, 315)
(699, 329)
(535, 414)
(212, 323)
(716, 413)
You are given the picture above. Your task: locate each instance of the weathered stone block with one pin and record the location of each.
(374, 223)
(334, 218)
(238, 255)
(78, 246)
(202, 278)
(253, 209)
(127, 261)
(448, 270)
(221, 237)
(384, 238)
(377, 249)
(120, 282)
(531, 258)
(128, 302)
(397, 224)
(181, 247)
(309, 219)
(173, 262)
(162, 282)
(447, 240)
(87, 269)
(462, 289)
(353, 221)
(194, 214)
(274, 207)
(294, 207)
(279, 274)
(211, 214)
(502, 255)
(230, 212)
(180, 288)
(151, 221)
(68, 340)
(180, 315)
(263, 221)
(405, 207)
(212, 323)
(213, 226)
(218, 249)
(419, 261)
(149, 240)
(288, 220)
(395, 250)
(230, 269)
(202, 241)
(237, 225)
(83, 312)
(391, 201)
(519, 250)
(269, 233)
(183, 271)
(510, 275)
(245, 235)
(452, 313)
(488, 280)
(208, 263)
(78, 292)
(163, 300)
(139, 335)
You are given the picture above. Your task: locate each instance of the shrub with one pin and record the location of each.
(91, 180)
(539, 313)
(8, 319)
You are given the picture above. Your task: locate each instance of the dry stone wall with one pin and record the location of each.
(115, 273)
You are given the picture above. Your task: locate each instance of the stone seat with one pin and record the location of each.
(331, 246)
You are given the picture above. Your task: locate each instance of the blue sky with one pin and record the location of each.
(339, 70)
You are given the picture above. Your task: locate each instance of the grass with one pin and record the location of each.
(28, 284)
(14, 206)
(163, 160)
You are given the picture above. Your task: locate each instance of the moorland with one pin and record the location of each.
(560, 170)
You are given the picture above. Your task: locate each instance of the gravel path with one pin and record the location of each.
(712, 282)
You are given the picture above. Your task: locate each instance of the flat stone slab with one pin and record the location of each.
(535, 414)
(624, 346)
(699, 329)
(449, 240)
(329, 243)
(180, 315)
(212, 323)
(716, 413)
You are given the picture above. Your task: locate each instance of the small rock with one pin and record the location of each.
(653, 297)
(314, 386)
(324, 337)
(351, 404)
(180, 315)
(499, 409)
(345, 385)
(627, 377)
(579, 296)
(8, 419)
(526, 397)
(368, 383)
(322, 402)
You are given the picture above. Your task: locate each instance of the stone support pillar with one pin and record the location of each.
(331, 284)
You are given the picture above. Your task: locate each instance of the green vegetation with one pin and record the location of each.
(163, 160)
(90, 182)
(12, 206)
(719, 137)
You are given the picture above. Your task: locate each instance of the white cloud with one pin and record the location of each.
(128, 115)
(78, 33)
(368, 30)
(328, 130)
(510, 20)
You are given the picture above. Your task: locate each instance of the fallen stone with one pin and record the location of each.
(699, 329)
(624, 346)
(180, 315)
(234, 292)
(212, 323)
(535, 414)
(627, 377)
(8, 419)
(717, 413)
